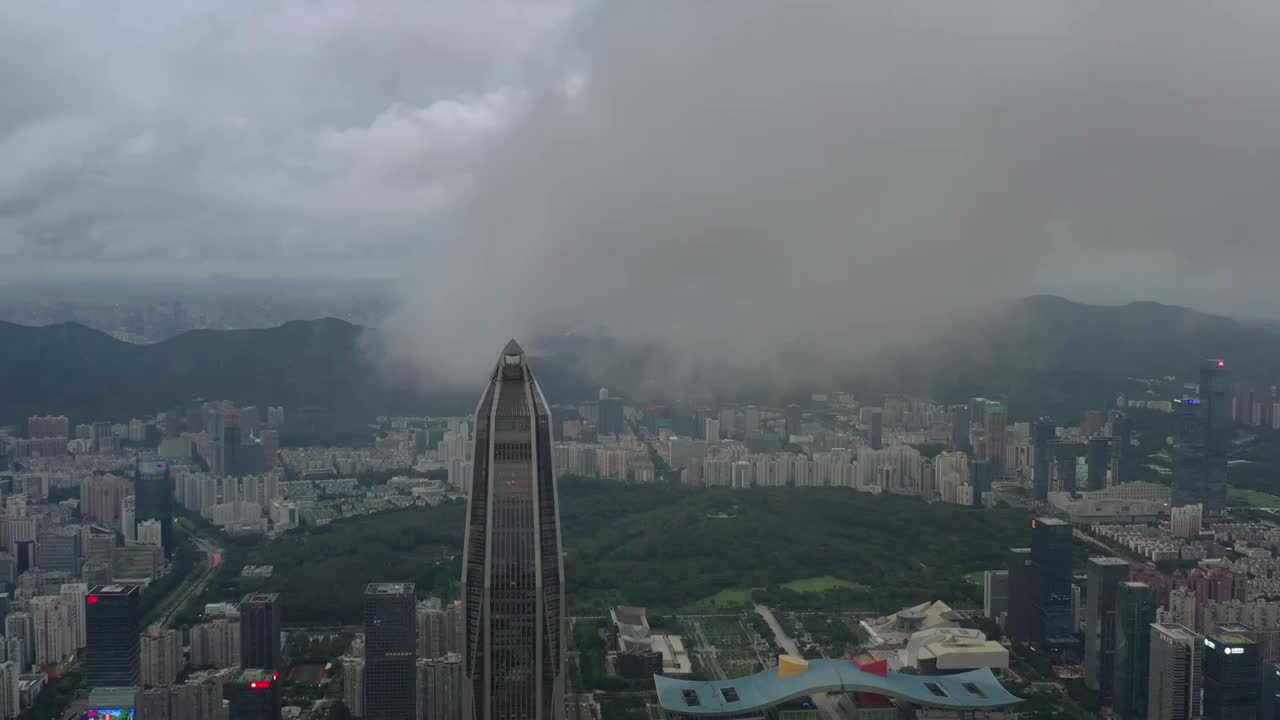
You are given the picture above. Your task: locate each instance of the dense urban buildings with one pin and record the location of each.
(390, 662)
(513, 581)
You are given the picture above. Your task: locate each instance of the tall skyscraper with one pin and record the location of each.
(390, 670)
(793, 420)
(1122, 436)
(1098, 458)
(996, 432)
(1041, 433)
(1104, 577)
(512, 573)
(229, 448)
(995, 594)
(153, 500)
(260, 631)
(711, 433)
(1204, 436)
(877, 429)
(960, 428)
(1271, 689)
(1176, 673)
(112, 616)
(610, 420)
(1018, 622)
(1230, 674)
(1052, 620)
(1135, 613)
(1065, 453)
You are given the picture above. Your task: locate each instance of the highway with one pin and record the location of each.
(177, 601)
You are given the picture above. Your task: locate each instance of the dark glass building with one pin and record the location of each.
(609, 418)
(960, 428)
(1098, 457)
(260, 631)
(1135, 612)
(1104, 577)
(1021, 590)
(390, 652)
(112, 644)
(877, 429)
(1231, 674)
(254, 695)
(1042, 432)
(1271, 691)
(153, 491)
(1065, 453)
(1052, 622)
(512, 573)
(794, 417)
(1204, 436)
(981, 474)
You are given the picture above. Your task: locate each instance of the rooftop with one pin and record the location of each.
(112, 697)
(971, 690)
(389, 589)
(1108, 561)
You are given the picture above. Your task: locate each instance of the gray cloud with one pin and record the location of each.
(779, 191)
(773, 190)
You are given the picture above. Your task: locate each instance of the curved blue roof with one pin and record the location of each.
(975, 689)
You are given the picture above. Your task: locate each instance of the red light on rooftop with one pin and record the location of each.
(275, 676)
(93, 599)
(1222, 363)
(260, 684)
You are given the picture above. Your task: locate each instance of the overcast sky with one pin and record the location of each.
(702, 173)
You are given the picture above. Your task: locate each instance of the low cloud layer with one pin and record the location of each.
(762, 191)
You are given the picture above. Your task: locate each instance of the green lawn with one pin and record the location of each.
(1251, 498)
(729, 600)
(821, 584)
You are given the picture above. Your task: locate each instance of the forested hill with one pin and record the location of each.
(86, 374)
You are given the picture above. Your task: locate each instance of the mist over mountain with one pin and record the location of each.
(1040, 352)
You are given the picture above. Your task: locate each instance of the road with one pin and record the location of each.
(826, 703)
(192, 589)
(1080, 535)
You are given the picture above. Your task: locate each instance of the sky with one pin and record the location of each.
(758, 186)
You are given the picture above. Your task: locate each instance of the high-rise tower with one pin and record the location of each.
(512, 576)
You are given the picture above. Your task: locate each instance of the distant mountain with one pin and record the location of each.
(1044, 353)
(83, 373)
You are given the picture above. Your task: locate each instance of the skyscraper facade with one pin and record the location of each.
(260, 631)
(1052, 621)
(112, 615)
(513, 579)
(390, 672)
(877, 429)
(1176, 673)
(153, 500)
(1104, 577)
(1135, 612)
(1018, 623)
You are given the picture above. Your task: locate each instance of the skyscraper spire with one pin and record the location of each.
(512, 577)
